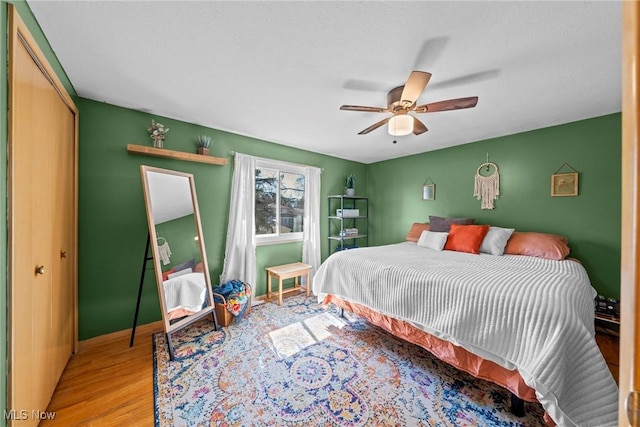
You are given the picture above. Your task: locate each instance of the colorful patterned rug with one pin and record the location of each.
(302, 365)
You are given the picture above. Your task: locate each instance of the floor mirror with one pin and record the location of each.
(178, 249)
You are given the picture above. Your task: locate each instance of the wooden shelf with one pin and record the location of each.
(179, 155)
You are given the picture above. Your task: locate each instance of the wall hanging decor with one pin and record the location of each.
(164, 251)
(564, 184)
(429, 190)
(487, 188)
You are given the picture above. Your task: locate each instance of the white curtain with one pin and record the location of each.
(240, 251)
(311, 229)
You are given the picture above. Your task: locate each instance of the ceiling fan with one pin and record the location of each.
(402, 100)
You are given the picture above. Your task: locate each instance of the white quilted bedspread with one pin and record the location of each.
(187, 291)
(525, 313)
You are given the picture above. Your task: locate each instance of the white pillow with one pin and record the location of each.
(180, 273)
(433, 239)
(495, 240)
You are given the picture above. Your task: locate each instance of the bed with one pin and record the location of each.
(523, 322)
(185, 294)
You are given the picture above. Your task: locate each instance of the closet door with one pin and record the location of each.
(32, 239)
(63, 252)
(42, 224)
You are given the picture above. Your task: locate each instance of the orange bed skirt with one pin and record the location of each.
(445, 351)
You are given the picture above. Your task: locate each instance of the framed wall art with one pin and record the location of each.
(564, 184)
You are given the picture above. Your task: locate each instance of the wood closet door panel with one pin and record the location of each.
(42, 238)
(32, 238)
(62, 317)
(22, 271)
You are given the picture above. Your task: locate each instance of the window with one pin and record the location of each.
(279, 202)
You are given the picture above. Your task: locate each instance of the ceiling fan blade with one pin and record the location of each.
(415, 86)
(466, 79)
(374, 126)
(418, 127)
(361, 108)
(449, 104)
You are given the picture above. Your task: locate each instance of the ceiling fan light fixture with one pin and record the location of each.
(400, 125)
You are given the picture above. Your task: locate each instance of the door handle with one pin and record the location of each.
(63, 254)
(39, 269)
(633, 408)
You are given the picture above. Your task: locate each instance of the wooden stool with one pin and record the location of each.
(287, 271)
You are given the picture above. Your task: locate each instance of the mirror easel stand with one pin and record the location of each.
(145, 260)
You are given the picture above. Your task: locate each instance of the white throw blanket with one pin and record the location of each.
(525, 313)
(187, 291)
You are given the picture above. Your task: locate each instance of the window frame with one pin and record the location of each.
(286, 167)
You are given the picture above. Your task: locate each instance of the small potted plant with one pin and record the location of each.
(203, 142)
(350, 181)
(157, 132)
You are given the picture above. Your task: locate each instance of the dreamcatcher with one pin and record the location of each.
(487, 188)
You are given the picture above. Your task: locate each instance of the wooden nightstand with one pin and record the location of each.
(607, 337)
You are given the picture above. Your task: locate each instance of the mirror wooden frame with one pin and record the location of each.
(170, 327)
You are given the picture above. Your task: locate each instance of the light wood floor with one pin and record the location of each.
(107, 383)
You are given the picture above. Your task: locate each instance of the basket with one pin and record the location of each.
(224, 317)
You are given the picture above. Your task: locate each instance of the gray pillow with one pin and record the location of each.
(187, 264)
(440, 224)
(496, 240)
(433, 240)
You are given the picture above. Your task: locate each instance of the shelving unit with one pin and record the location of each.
(172, 154)
(338, 224)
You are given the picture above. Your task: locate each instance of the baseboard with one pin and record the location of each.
(148, 327)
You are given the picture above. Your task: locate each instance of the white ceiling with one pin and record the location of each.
(169, 196)
(279, 71)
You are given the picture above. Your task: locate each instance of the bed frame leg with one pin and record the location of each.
(517, 406)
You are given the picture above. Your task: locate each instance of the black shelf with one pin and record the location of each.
(338, 223)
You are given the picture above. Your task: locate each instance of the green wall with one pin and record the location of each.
(26, 15)
(526, 161)
(112, 217)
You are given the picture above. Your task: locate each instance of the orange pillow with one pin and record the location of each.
(541, 245)
(165, 275)
(416, 230)
(466, 238)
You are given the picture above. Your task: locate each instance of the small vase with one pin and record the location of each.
(158, 143)
(351, 192)
(203, 151)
